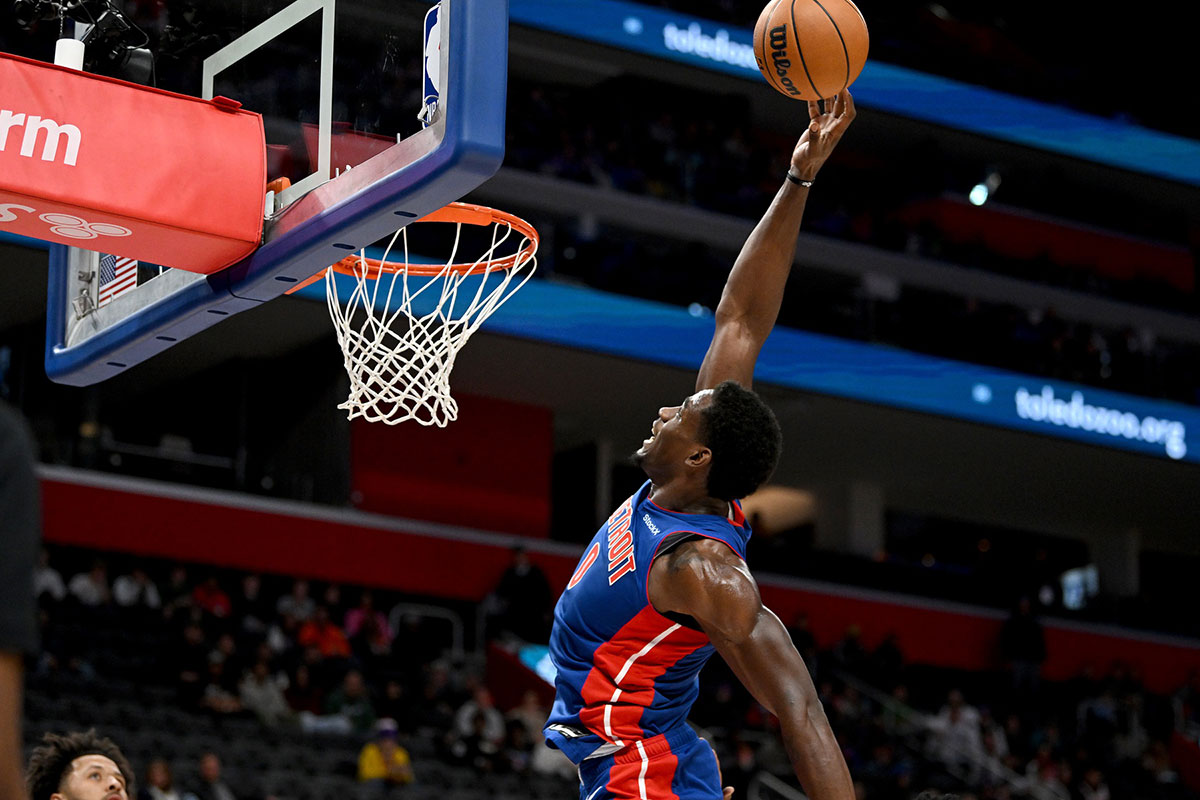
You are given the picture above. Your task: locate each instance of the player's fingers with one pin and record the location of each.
(814, 110)
(728, 792)
(849, 100)
(839, 103)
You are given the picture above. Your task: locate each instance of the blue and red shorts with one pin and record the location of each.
(677, 765)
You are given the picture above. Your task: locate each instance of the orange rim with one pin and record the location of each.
(467, 214)
(464, 213)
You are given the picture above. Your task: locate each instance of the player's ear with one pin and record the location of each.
(700, 457)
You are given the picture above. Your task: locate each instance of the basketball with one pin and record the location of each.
(810, 49)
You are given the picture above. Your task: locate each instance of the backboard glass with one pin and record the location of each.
(341, 85)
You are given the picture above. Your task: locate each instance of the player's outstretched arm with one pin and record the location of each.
(705, 580)
(750, 303)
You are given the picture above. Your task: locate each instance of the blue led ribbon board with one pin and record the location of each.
(896, 90)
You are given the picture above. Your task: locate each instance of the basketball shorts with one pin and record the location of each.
(677, 764)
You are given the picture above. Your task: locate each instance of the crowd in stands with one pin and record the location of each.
(1031, 51)
(325, 664)
(683, 146)
(989, 736)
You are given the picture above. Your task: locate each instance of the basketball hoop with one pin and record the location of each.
(406, 321)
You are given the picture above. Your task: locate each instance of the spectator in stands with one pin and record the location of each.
(78, 766)
(261, 693)
(1023, 647)
(48, 586)
(297, 603)
(1093, 787)
(210, 786)
(160, 784)
(741, 769)
(90, 589)
(19, 535)
(331, 598)
(227, 653)
(177, 595)
(955, 732)
(253, 609)
(189, 659)
(282, 635)
(367, 628)
(210, 598)
(481, 705)
(353, 701)
(518, 748)
(320, 632)
(217, 695)
(849, 654)
(397, 704)
(383, 763)
(523, 599)
(477, 748)
(1185, 703)
(302, 694)
(136, 590)
(530, 713)
(348, 709)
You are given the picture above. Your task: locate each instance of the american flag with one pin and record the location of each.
(117, 276)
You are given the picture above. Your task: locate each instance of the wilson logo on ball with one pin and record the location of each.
(780, 60)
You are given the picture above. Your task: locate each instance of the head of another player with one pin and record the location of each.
(79, 766)
(724, 440)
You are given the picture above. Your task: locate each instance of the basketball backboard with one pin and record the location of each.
(341, 85)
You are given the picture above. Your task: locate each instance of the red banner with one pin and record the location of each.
(118, 168)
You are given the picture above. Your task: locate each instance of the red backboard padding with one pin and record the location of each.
(489, 469)
(85, 158)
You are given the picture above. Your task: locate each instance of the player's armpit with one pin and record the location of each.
(706, 581)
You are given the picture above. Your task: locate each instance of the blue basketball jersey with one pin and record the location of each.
(627, 673)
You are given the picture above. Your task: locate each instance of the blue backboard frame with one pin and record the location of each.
(422, 173)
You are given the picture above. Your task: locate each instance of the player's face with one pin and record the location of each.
(93, 777)
(675, 432)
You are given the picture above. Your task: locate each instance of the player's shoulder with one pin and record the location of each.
(707, 566)
(706, 580)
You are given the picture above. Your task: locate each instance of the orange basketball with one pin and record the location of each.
(809, 49)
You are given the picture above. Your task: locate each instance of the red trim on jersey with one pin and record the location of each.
(637, 685)
(739, 517)
(623, 776)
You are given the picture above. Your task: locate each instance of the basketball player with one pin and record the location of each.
(664, 582)
(19, 533)
(79, 766)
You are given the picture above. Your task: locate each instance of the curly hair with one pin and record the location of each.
(51, 761)
(745, 440)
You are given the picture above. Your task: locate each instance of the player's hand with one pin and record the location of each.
(728, 792)
(823, 133)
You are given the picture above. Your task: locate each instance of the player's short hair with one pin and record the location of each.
(51, 761)
(745, 440)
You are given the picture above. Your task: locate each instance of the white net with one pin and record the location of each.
(404, 323)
